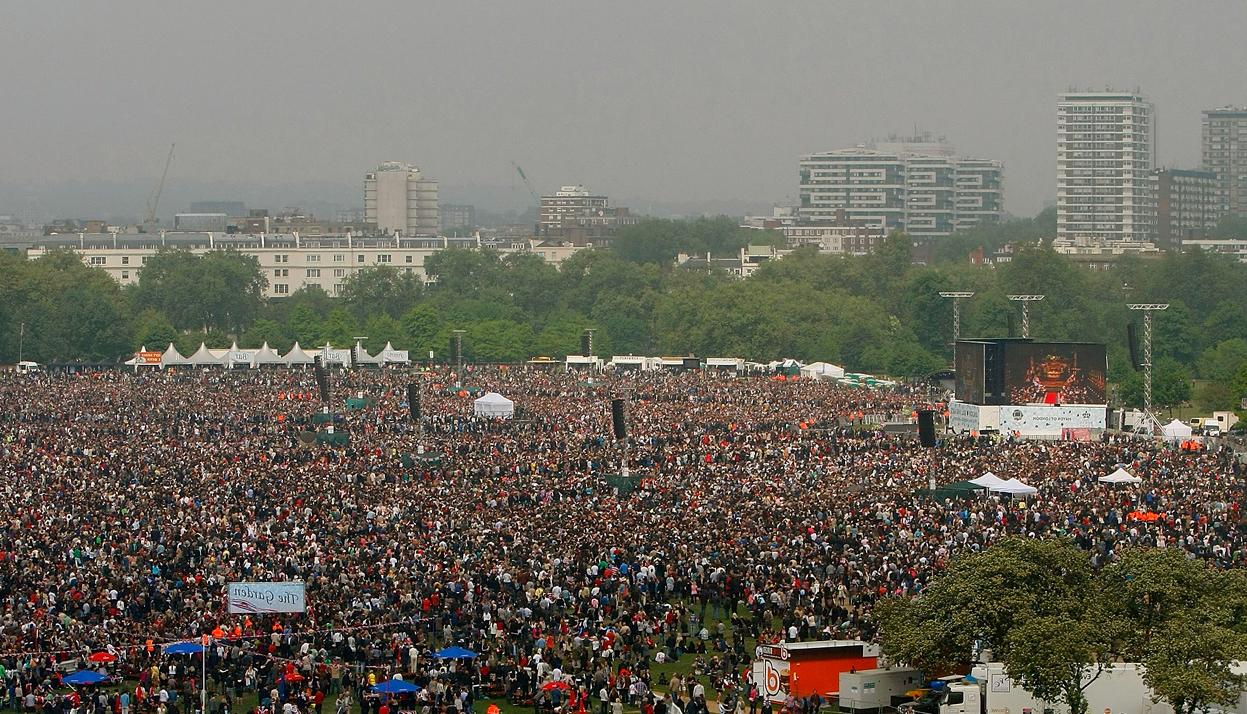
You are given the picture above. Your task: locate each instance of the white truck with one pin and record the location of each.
(873, 690)
(1119, 689)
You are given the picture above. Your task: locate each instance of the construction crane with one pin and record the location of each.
(153, 202)
(527, 184)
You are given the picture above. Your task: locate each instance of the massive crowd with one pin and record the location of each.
(763, 510)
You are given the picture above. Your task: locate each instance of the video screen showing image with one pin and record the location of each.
(1055, 373)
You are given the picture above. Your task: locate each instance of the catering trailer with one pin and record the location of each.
(801, 669)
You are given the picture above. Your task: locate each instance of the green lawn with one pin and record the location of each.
(249, 700)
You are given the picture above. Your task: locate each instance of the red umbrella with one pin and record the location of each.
(555, 685)
(102, 657)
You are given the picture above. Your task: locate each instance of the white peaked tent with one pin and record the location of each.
(493, 404)
(1120, 476)
(359, 355)
(203, 357)
(1014, 487)
(172, 358)
(1176, 431)
(822, 370)
(988, 480)
(389, 355)
(236, 356)
(265, 356)
(296, 356)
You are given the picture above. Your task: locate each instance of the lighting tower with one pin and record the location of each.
(1148, 308)
(1026, 301)
(956, 296)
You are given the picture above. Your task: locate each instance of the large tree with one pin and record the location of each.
(222, 290)
(1033, 602)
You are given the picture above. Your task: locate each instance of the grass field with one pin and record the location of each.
(248, 701)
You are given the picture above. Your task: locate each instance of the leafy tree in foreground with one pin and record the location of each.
(1034, 603)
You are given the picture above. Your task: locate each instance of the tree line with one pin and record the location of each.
(877, 313)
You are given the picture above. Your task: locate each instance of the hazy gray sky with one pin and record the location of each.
(663, 101)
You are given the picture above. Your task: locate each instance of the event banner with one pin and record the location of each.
(259, 598)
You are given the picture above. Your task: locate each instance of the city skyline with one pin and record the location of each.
(688, 104)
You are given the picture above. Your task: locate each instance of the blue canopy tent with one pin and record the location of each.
(395, 686)
(184, 648)
(454, 653)
(83, 676)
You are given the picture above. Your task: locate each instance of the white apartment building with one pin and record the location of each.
(573, 205)
(399, 200)
(921, 187)
(1105, 151)
(1225, 154)
(289, 261)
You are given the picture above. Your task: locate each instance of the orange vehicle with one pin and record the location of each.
(801, 669)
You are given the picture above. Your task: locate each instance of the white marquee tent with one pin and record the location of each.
(296, 355)
(172, 358)
(988, 480)
(1014, 487)
(203, 357)
(493, 404)
(822, 370)
(1176, 430)
(1120, 476)
(266, 355)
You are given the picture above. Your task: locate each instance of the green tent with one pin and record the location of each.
(356, 403)
(624, 484)
(339, 438)
(959, 489)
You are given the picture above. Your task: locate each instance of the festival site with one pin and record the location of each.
(461, 562)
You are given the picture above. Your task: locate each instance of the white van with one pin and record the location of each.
(26, 367)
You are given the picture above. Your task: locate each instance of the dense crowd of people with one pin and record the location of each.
(759, 511)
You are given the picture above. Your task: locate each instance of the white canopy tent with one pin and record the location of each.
(1014, 487)
(265, 356)
(296, 356)
(172, 358)
(1120, 476)
(822, 370)
(493, 404)
(360, 356)
(238, 357)
(988, 480)
(389, 355)
(1176, 431)
(203, 357)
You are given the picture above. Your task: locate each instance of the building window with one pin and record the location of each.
(383, 258)
(313, 258)
(338, 258)
(337, 289)
(125, 275)
(125, 260)
(281, 258)
(339, 272)
(281, 273)
(313, 272)
(360, 259)
(281, 289)
(409, 259)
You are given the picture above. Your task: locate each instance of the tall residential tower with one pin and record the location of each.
(1105, 149)
(1225, 155)
(398, 199)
